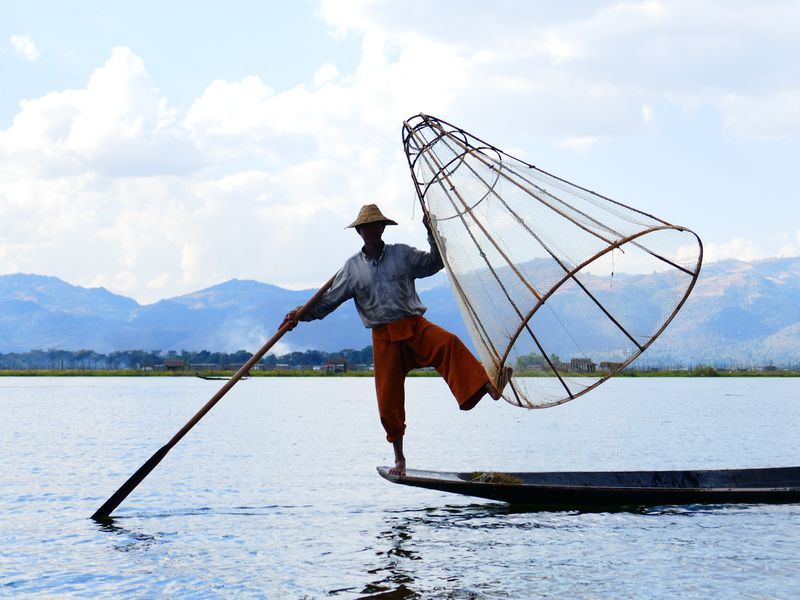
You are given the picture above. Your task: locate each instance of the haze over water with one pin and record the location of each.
(274, 493)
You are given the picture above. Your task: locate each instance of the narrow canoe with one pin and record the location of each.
(615, 488)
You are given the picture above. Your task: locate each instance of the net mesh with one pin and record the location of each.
(552, 279)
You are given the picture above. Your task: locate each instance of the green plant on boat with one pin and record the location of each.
(494, 477)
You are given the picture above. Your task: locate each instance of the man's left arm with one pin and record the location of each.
(425, 264)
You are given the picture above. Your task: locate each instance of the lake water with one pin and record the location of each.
(274, 493)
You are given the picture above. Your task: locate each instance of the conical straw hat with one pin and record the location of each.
(370, 213)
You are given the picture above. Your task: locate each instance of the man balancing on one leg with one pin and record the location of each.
(380, 279)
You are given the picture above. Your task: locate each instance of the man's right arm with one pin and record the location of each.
(340, 291)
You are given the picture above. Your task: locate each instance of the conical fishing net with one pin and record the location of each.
(562, 284)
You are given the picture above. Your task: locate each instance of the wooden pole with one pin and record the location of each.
(104, 512)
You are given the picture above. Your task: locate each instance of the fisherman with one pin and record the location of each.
(380, 279)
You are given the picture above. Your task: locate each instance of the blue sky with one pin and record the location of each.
(157, 148)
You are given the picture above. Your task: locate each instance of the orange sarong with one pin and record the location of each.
(411, 343)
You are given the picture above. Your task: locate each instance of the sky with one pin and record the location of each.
(158, 148)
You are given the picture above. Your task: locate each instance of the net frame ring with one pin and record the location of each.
(414, 153)
(430, 144)
(407, 133)
(569, 276)
(447, 170)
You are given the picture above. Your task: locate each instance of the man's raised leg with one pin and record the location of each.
(494, 392)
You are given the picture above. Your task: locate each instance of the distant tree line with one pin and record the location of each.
(317, 357)
(154, 359)
(67, 360)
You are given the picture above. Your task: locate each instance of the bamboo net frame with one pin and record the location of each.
(563, 284)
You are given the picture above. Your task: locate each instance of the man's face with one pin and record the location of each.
(371, 232)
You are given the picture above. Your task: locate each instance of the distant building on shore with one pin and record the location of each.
(174, 364)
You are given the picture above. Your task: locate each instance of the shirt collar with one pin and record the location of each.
(375, 259)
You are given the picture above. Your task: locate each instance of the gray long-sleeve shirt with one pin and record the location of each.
(383, 289)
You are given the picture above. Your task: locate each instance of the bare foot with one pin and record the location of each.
(399, 468)
(490, 389)
(399, 458)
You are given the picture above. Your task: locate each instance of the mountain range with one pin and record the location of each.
(740, 313)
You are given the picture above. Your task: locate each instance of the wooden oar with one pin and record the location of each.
(104, 512)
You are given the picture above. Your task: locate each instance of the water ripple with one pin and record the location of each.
(256, 505)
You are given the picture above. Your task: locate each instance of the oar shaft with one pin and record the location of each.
(134, 480)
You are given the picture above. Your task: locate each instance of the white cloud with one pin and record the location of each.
(118, 124)
(579, 144)
(230, 109)
(326, 74)
(594, 64)
(782, 244)
(25, 47)
(789, 244)
(109, 184)
(737, 248)
(85, 170)
(765, 117)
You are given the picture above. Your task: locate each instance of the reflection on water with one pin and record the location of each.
(130, 541)
(396, 581)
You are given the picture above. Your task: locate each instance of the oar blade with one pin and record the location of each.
(104, 512)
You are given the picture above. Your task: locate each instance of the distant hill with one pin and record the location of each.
(739, 313)
(38, 312)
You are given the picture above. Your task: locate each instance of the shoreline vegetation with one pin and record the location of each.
(316, 363)
(215, 375)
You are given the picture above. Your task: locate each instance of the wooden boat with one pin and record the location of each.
(615, 488)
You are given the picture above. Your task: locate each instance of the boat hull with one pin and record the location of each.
(618, 488)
